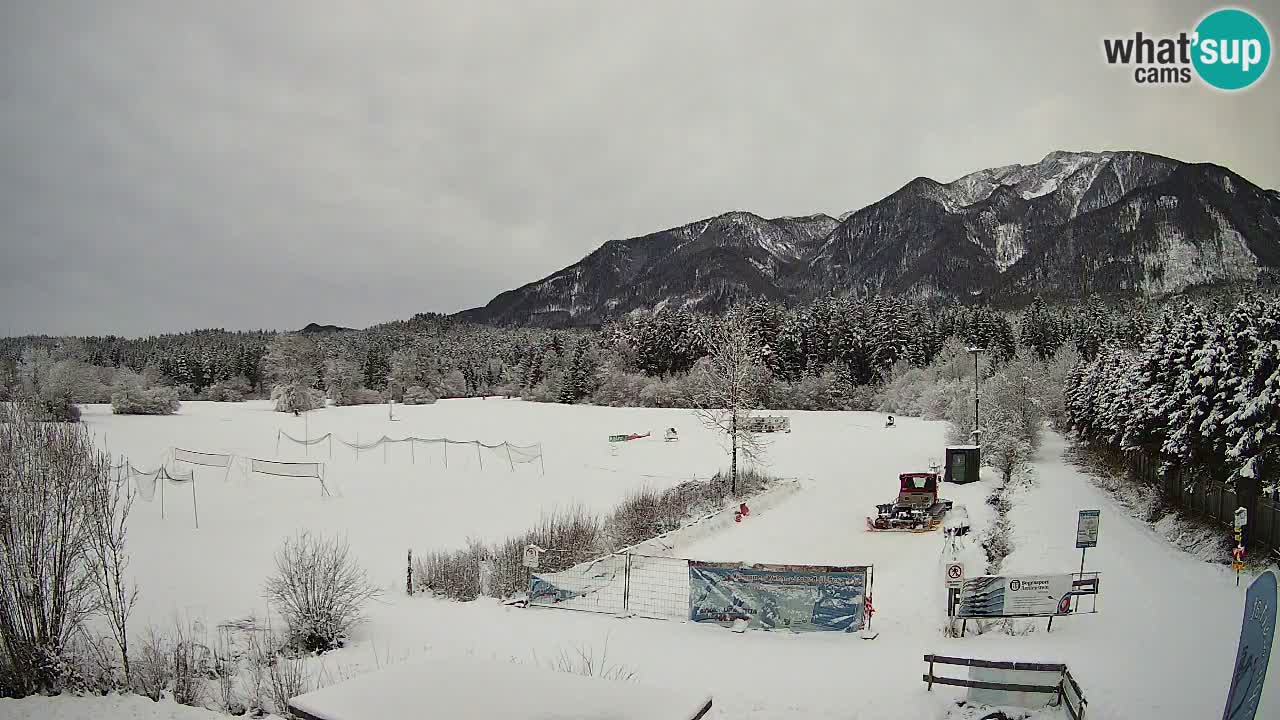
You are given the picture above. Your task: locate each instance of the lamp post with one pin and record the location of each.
(977, 435)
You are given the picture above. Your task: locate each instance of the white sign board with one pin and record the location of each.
(991, 596)
(955, 574)
(531, 557)
(1242, 517)
(1087, 528)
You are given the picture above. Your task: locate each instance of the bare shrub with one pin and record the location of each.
(47, 476)
(287, 676)
(276, 676)
(451, 574)
(261, 653)
(319, 590)
(226, 669)
(418, 395)
(152, 672)
(362, 396)
(573, 536)
(135, 400)
(192, 662)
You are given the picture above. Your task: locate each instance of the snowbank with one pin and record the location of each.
(113, 707)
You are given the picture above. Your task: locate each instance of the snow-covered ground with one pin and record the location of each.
(1161, 645)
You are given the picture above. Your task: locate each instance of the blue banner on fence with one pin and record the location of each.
(1257, 634)
(774, 597)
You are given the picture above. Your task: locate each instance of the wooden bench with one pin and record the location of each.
(1066, 692)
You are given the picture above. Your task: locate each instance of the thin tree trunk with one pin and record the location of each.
(733, 462)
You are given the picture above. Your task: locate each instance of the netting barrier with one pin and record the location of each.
(290, 469)
(146, 482)
(504, 453)
(194, 457)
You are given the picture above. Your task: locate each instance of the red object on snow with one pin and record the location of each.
(744, 510)
(737, 517)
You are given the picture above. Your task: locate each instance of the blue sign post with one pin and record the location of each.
(1257, 633)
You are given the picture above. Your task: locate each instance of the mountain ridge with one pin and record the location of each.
(1121, 222)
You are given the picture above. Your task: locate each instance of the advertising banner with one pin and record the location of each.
(1253, 654)
(994, 596)
(775, 597)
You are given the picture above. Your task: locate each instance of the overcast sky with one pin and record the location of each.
(172, 165)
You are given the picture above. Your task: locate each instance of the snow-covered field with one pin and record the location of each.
(1161, 646)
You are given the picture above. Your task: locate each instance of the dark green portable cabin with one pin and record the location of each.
(963, 462)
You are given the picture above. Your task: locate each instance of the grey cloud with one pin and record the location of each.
(244, 164)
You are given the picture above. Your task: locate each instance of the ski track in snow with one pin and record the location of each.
(1161, 645)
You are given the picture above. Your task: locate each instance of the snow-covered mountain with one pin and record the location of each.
(1073, 223)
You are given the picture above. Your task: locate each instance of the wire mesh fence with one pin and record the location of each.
(622, 583)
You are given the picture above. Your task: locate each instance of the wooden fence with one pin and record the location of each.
(1066, 692)
(1211, 500)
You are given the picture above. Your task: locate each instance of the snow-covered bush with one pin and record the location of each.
(319, 590)
(232, 390)
(136, 400)
(362, 396)
(418, 395)
(291, 397)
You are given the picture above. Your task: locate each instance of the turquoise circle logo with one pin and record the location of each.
(1232, 49)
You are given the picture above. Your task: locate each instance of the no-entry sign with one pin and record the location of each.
(955, 574)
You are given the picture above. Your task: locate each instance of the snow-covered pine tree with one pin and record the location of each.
(1256, 424)
(1038, 330)
(1193, 402)
(575, 378)
(1142, 429)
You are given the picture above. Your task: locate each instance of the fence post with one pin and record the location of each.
(626, 584)
(930, 688)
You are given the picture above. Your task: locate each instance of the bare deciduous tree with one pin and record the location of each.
(319, 590)
(729, 382)
(108, 559)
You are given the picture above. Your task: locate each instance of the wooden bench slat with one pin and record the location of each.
(994, 665)
(984, 685)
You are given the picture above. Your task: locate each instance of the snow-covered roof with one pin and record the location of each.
(456, 687)
(963, 447)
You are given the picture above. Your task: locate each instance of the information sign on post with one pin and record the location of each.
(1087, 529)
(1087, 534)
(531, 557)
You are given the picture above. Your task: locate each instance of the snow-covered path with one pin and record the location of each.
(1164, 640)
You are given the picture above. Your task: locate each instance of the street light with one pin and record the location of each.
(977, 435)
